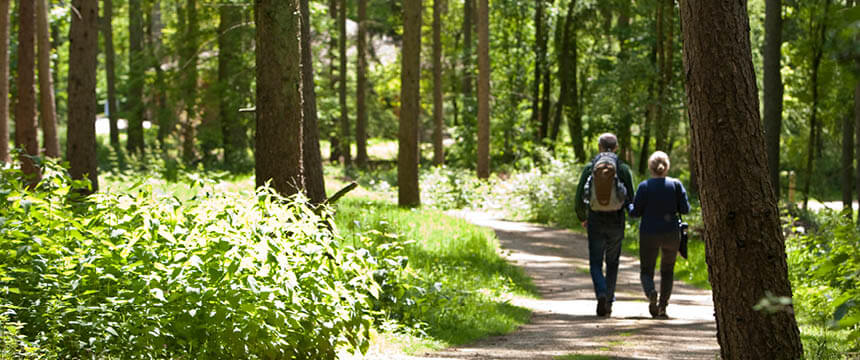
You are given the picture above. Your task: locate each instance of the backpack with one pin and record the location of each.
(603, 190)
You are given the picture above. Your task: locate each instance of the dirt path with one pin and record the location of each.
(564, 320)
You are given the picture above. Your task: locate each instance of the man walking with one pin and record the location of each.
(604, 192)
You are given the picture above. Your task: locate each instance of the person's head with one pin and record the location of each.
(658, 164)
(607, 142)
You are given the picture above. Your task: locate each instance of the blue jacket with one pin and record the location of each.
(658, 202)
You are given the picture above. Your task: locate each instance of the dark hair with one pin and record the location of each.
(607, 142)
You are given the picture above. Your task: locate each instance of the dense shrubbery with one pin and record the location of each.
(143, 275)
(824, 267)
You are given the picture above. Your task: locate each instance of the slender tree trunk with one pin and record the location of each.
(536, 120)
(743, 236)
(773, 88)
(334, 138)
(546, 102)
(279, 139)
(47, 106)
(188, 61)
(229, 73)
(573, 112)
(25, 108)
(135, 142)
(467, 56)
(314, 180)
(110, 70)
(817, 54)
(665, 12)
(848, 163)
(650, 115)
(162, 107)
(438, 116)
(407, 158)
(4, 81)
(483, 89)
(346, 147)
(361, 88)
(624, 134)
(83, 53)
(564, 63)
(857, 141)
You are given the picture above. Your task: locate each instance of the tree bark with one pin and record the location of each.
(279, 139)
(4, 81)
(564, 63)
(232, 91)
(312, 157)
(857, 141)
(773, 88)
(817, 54)
(83, 53)
(137, 65)
(361, 88)
(467, 56)
(162, 108)
(345, 143)
(25, 108)
(188, 61)
(665, 41)
(408, 194)
(438, 116)
(110, 70)
(334, 138)
(572, 112)
(483, 89)
(624, 134)
(539, 58)
(743, 236)
(848, 163)
(47, 106)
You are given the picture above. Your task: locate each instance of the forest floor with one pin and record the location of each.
(564, 324)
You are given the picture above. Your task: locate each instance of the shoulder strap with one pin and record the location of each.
(677, 198)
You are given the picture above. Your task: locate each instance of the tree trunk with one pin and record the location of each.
(25, 108)
(650, 115)
(536, 120)
(408, 194)
(857, 141)
(334, 138)
(564, 63)
(47, 106)
(229, 72)
(467, 56)
(4, 81)
(345, 143)
(188, 63)
(134, 142)
(361, 88)
(483, 89)
(278, 152)
(312, 157)
(438, 119)
(665, 36)
(573, 112)
(83, 53)
(848, 163)
(743, 236)
(624, 134)
(160, 104)
(773, 88)
(110, 70)
(817, 54)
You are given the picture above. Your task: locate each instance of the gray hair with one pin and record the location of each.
(607, 142)
(658, 163)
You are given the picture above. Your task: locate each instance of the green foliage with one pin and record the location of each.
(146, 275)
(824, 267)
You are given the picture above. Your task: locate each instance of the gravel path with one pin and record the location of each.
(564, 320)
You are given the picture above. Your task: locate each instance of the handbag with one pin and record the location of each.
(682, 226)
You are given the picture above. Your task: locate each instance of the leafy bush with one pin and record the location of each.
(451, 188)
(144, 275)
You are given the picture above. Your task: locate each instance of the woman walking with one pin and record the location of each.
(658, 202)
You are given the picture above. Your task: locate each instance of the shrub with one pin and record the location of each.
(144, 275)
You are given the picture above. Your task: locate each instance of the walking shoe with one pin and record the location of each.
(601, 305)
(661, 312)
(608, 308)
(652, 304)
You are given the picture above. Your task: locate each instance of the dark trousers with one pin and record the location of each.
(649, 246)
(605, 232)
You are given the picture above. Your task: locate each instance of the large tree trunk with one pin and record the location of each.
(4, 81)
(312, 157)
(743, 236)
(188, 63)
(83, 52)
(233, 134)
(483, 89)
(345, 144)
(47, 106)
(438, 119)
(361, 88)
(539, 58)
(278, 152)
(110, 70)
(817, 54)
(137, 66)
(773, 87)
(408, 194)
(25, 108)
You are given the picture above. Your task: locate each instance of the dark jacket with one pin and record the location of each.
(624, 175)
(659, 201)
